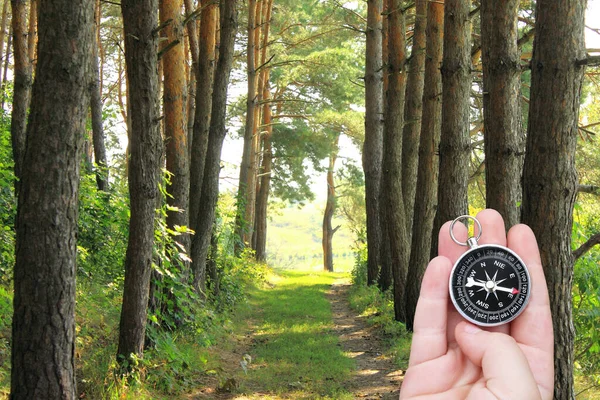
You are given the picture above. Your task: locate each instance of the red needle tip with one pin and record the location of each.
(515, 291)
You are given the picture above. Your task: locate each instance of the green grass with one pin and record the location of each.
(295, 349)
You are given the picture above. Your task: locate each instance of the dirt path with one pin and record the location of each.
(376, 376)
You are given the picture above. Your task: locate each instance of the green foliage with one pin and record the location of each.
(8, 206)
(359, 270)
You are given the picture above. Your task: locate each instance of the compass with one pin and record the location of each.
(489, 284)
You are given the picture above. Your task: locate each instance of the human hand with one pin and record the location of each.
(454, 359)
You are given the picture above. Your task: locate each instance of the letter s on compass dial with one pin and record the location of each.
(490, 285)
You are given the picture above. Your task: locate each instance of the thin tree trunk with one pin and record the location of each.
(244, 218)
(217, 131)
(385, 279)
(427, 180)
(6, 62)
(392, 155)
(43, 333)
(328, 229)
(413, 109)
(32, 34)
(262, 199)
(503, 134)
(549, 175)
(192, 34)
(22, 85)
(455, 148)
(175, 122)
(145, 148)
(372, 155)
(96, 111)
(204, 86)
(3, 25)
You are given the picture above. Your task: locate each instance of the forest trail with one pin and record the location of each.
(376, 376)
(329, 352)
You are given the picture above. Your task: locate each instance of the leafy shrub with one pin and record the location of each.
(359, 271)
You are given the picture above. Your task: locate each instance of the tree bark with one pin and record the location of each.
(43, 335)
(175, 122)
(96, 111)
(247, 184)
(145, 148)
(392, 155)
(194, 49)
(413, 110)
(204, 90)
(262, 199)
(455, 148)
(217, 131)
(549, 175)
(427, 180)
(372, 155)
(385, 279)
(3, 24)
(503, 136)
(22, 85)
(6, 62)
(32, 34)
(328, 230)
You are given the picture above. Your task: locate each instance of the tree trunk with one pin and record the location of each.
(217, 131)
(204, 86)
(427, 179)
(246, 191)
(328, 230)
(175, 122)
(43, 335)
(192, 34)
(455, 149)
(372, 155)
(145, 149)
(549, 175)
(32, 34)
(6, 62)
(385, 279)
(413, 109)
(22, 84)
(3, 24)
(262, 199)
(503, 134)
(392, 155)
(96, 112)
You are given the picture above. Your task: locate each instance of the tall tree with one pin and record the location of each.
(217, 131)
(455, 148)
(3, 24)
(22, 83)
(549, 176)
(247, 183)
(140, 20)
(372, 154)
(174, 110)
(194, 49)
(32, 32)
(328, 229)
(413, 109)
(96, 109)
(385, 278)
(427, 179)
(392, 154)
(204, 86)
(503, 135)
(43, 336)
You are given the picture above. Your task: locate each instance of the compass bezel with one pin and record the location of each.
(478, 308)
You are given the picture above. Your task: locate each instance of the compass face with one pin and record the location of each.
(490, 285)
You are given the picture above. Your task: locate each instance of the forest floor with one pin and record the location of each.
(300, 339)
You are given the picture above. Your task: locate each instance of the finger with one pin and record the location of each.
(493, 232)
(492, 227)
(429, 337)
(533, 328)
(505, 368)
(446, 246)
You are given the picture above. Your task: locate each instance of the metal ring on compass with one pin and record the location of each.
(463, 217)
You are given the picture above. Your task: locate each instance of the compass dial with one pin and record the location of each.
(490, 285)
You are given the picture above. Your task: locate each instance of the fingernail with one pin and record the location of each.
(472, 329)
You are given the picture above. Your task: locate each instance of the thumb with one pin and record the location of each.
(505, 368)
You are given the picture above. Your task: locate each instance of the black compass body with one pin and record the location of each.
(490, 285)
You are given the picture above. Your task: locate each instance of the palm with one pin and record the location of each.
(441, 363)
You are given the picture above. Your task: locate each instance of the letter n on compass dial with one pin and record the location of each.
(490, 285)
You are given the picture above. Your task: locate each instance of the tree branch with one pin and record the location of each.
(584, 248)
(591, 189)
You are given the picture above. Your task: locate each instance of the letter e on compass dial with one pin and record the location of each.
(490, 285)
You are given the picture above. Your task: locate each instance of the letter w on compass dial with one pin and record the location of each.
(489, 285)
